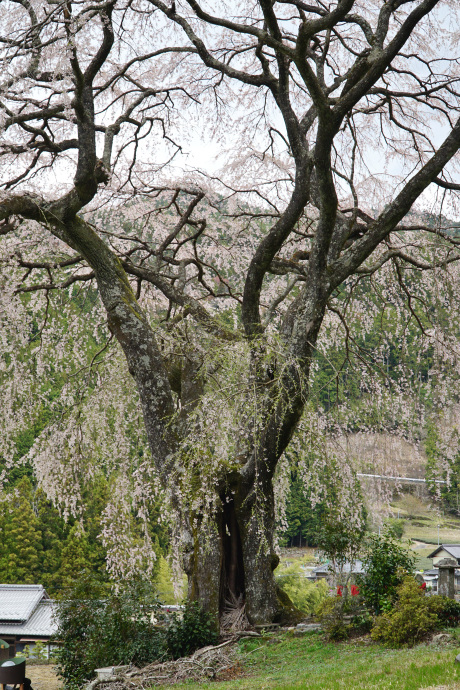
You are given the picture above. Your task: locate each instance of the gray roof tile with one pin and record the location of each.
(40, 624)
(17, 602)
(356, 567)
(453, 549)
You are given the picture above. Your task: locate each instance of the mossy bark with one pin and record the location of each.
(236, 556)
(204, 570)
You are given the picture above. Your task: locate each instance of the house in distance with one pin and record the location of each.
(26, 617)
(445, 551)
(442, 551)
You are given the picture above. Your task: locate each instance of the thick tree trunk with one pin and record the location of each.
(204, 568)
(236, 558)
(255, 513)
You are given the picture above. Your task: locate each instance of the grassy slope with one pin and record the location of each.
(308, 662)
(421, 519)
(429, 534)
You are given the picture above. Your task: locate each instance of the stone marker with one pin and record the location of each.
(446, 581)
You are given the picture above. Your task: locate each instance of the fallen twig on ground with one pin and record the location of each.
(206, 663)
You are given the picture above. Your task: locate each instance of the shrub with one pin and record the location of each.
(338, 631)
(39, 651)
(193, 630)
(385, 562)
(396, 527)
(331, 613)
(362, 622)
(97, 628)
(409, 621)
(414, 506)
(25, 652)
(306, 595)
(447, 610)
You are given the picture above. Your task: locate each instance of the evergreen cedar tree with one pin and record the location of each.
(335, 120)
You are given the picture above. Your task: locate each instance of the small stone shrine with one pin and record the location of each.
(446, 581)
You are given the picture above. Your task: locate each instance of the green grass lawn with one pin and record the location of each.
(285, 661)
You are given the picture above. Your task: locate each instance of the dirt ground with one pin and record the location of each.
(43, 677)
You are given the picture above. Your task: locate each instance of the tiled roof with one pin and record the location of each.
(40, 624)
(324, 568)
(452, 549)
(17, 602)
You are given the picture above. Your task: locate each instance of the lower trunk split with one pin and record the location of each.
(233, 563)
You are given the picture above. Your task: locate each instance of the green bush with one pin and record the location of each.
(194, 629)
(385, 562)
(338, 631)
(98, 628)
(409, 621)
(396, 527)
(447, 611)
(362, 622)
(306, 595)
(25, 652)
(39, 651)
(330, 615)
(332, 611)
